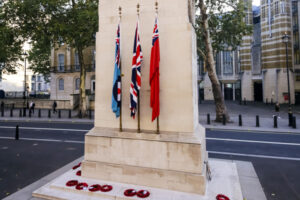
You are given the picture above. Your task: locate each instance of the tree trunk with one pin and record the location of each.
(210, 66)
(82, 94)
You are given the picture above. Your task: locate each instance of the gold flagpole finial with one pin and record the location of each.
(120, 11)
(156, 6)
(138, 9)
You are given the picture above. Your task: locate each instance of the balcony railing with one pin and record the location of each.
(71, 68)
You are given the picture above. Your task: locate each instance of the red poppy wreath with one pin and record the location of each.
(130, 192)
(222, 197)
(72, 183)
(143, 193)
(106, 188)
(95, 188)
(81, 186)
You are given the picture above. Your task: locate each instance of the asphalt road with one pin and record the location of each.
(45, 147)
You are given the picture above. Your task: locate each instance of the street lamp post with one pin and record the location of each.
(24, 93)
(286, 40)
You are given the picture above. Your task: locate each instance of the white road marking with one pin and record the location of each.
(253, 141)
(44, 140)
(254, 155)
(50, 129)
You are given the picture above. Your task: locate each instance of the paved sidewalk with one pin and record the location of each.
(249, 112)
(54, 117)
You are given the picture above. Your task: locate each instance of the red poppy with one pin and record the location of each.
(143, 193)
(72, 183)
(95, 188)
(78, 173)
(81, 186)
(130, 192)
(106, 188)
(222, 197)
(76, 166)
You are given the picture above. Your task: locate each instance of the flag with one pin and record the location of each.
(116, 91)
(135, 84)
(154, 72)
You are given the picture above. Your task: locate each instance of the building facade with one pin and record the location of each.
(65, 74)
(261, 61)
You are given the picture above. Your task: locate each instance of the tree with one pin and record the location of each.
(10, 46)
(48, 23)
(217, 29)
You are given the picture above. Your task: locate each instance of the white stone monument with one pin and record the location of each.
(167, 163)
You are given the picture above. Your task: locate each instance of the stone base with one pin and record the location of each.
(225, 181)
(172, 161)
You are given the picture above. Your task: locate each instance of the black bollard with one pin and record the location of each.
(240, 101)
(208, 118)
(275, 121)
(240, 120)
(70, 114)
(40, 114)
(90, 114)
(272, 101)
(24, 112)
(11, 112)
(17, 133)
(245, 101)
(80, 114)
(49, 113)
(290, 119)
(224, 119)
(267, 102)
(13, 106)
(59, 113)
(2, 112)
(20, 113)
(294, 122)
(257, 121)
(277, 107)
(29, 114)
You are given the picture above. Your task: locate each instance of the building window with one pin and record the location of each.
(227, 62)
(77, 83)
(61, 62)
(32, 86)
(77, 65)
(39, 78)
(33, 78)
(276, 8)
(282, 7)
(61, 84)
(93, 86)
(39, 86)
(263, 13)
(94, 59)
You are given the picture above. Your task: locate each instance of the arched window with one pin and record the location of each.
(77, 83)
(61, 84)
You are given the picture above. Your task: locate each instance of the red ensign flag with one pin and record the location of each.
(154, 72)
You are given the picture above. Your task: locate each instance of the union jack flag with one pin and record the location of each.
(136, 73)
(116, 92)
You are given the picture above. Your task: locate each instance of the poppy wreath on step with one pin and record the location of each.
(95, 188)
(106, 188)
(222, 197)
(72, 183)
(81, 186)
(143, 193)
(78, 173)
(130, 192)
(76, 166)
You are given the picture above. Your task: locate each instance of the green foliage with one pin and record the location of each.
(226, 19)
(10, 45)
(48, 23)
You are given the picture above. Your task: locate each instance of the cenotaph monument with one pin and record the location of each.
(171, 162)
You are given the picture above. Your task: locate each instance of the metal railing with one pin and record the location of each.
(71, 68)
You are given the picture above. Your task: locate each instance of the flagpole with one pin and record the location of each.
(157, 119)
(139, 110)
(120, 17)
